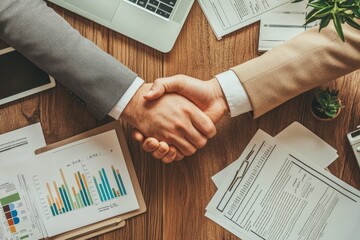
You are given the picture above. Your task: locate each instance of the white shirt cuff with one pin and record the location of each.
(125, 99)
(235, 93)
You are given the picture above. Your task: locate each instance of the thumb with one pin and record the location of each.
(163, 85)
(156, 91)
(137, 135)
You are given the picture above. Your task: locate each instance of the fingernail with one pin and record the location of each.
(162, 150)
(151, 144)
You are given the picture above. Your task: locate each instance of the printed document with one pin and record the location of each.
(282, 24)
(87, 178)
(17, 218)
(20, 145)
(277, 194)
(302, 140)
(71, 186)
(226, 16)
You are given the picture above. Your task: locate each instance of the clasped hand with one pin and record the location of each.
(176, 114)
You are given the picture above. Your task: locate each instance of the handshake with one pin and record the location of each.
(175, 116)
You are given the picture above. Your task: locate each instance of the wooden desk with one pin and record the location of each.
(177, 194)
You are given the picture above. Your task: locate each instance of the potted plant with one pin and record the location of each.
(326, 104)
(339, 11)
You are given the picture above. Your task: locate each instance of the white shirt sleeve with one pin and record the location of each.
(125, 99)
(235, 93)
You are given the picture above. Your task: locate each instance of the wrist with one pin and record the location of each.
(219, 96)
(132, 112)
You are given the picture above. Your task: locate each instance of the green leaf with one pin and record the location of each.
(320, 109)
(318, 5)
(331, 113)
(310, 20)
(352, 23)
(324, 22)
(314, 14)
(357, 13)
(338, 27)
(310, 14)
(345, 7)
(296, 1)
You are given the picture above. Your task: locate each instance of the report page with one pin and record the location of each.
(226, 16)
(81, 183)
(275, 194)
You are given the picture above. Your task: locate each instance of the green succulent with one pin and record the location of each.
(339, 11)
(326, 103)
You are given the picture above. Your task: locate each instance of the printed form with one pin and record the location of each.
(226, 16)
(277, 194)
(18, 219)
(300, 139)
(282, 24)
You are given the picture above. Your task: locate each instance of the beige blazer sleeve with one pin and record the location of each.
(307, 61)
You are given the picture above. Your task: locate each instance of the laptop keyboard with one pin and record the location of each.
(162, 8)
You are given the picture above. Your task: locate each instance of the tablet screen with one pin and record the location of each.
(17, 75)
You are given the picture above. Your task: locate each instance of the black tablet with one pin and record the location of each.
(19, 77)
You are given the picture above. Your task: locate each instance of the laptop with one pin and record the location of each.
(156, 23)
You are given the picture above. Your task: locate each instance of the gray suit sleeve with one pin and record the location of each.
(46, 39)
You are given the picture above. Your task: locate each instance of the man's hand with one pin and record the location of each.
(207, 95)
(160, 150)
(172, 119)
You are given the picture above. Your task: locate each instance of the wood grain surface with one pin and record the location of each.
(177, 194)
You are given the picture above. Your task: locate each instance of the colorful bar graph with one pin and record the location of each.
(10, 212)
(67, 199)
(104, 188)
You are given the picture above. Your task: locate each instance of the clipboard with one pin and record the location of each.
(113, 223)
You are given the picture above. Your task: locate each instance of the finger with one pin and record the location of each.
(137, 135)
(179, 156)
(203, 123)
(150, 144)
(161, 151)
(156, 90)
(183, 145)
(170, 156)
(169, 84)
(195, 137)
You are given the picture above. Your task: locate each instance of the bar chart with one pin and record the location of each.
(64, 198)
(82, 182)
(104, 188)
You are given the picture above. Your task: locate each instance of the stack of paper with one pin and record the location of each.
(300, 139)
(274, 192)
(283, 23)
(73, 185)
(280, 20)
(226, 16)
